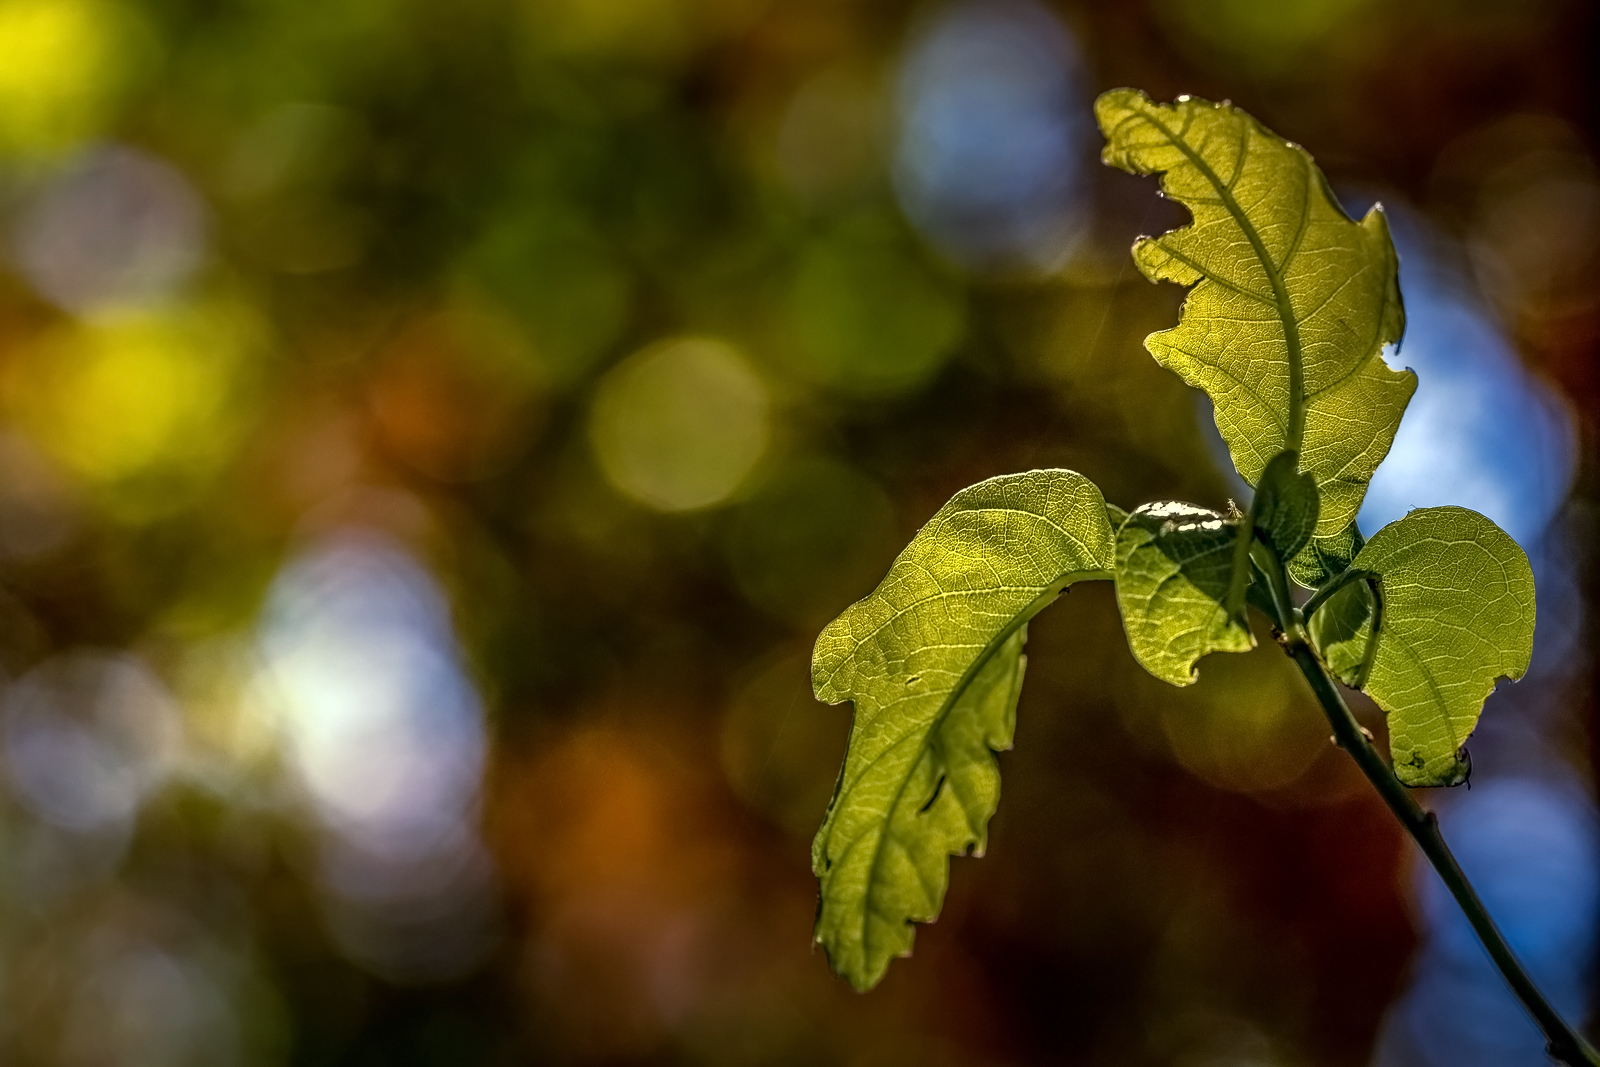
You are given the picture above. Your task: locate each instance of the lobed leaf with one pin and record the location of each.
(1174, 573)
(932, 661)
(1457, 614)
(1293, 302)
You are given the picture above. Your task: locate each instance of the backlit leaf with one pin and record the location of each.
(1286, 505)
(932, 661)
(1341, 629)
(1458, 609)
(1324, 557)
(1292, 302)
(1175, 567)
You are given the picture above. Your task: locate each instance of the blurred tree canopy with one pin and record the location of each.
(432, 435)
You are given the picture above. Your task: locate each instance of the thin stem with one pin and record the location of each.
(1271, 568)
(1564, 1044)
(1243, 540)
(1370, 656)
(1330, 587)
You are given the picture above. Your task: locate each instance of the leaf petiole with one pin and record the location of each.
(1375, 583)
(1270, 568)
(1328, 588)
(1239, 581)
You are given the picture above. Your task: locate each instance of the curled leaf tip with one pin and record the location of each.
(933, 662)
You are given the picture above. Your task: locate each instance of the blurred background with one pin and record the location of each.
(432, 435)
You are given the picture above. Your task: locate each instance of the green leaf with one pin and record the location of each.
(933, 662)
(1457, 614)
(1175, 568)
(1286, 505)
(1341, 629)
(1325, 557)
(1292, 302)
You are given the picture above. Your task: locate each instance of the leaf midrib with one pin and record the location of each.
(1280, 291)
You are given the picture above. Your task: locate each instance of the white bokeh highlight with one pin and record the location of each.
(86, 736)
(385, 735)
(117, 229)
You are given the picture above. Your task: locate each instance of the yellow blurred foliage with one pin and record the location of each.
(65, 64)
(680, 425)
(1262, 35)
(1246, 728)
(142, 408)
